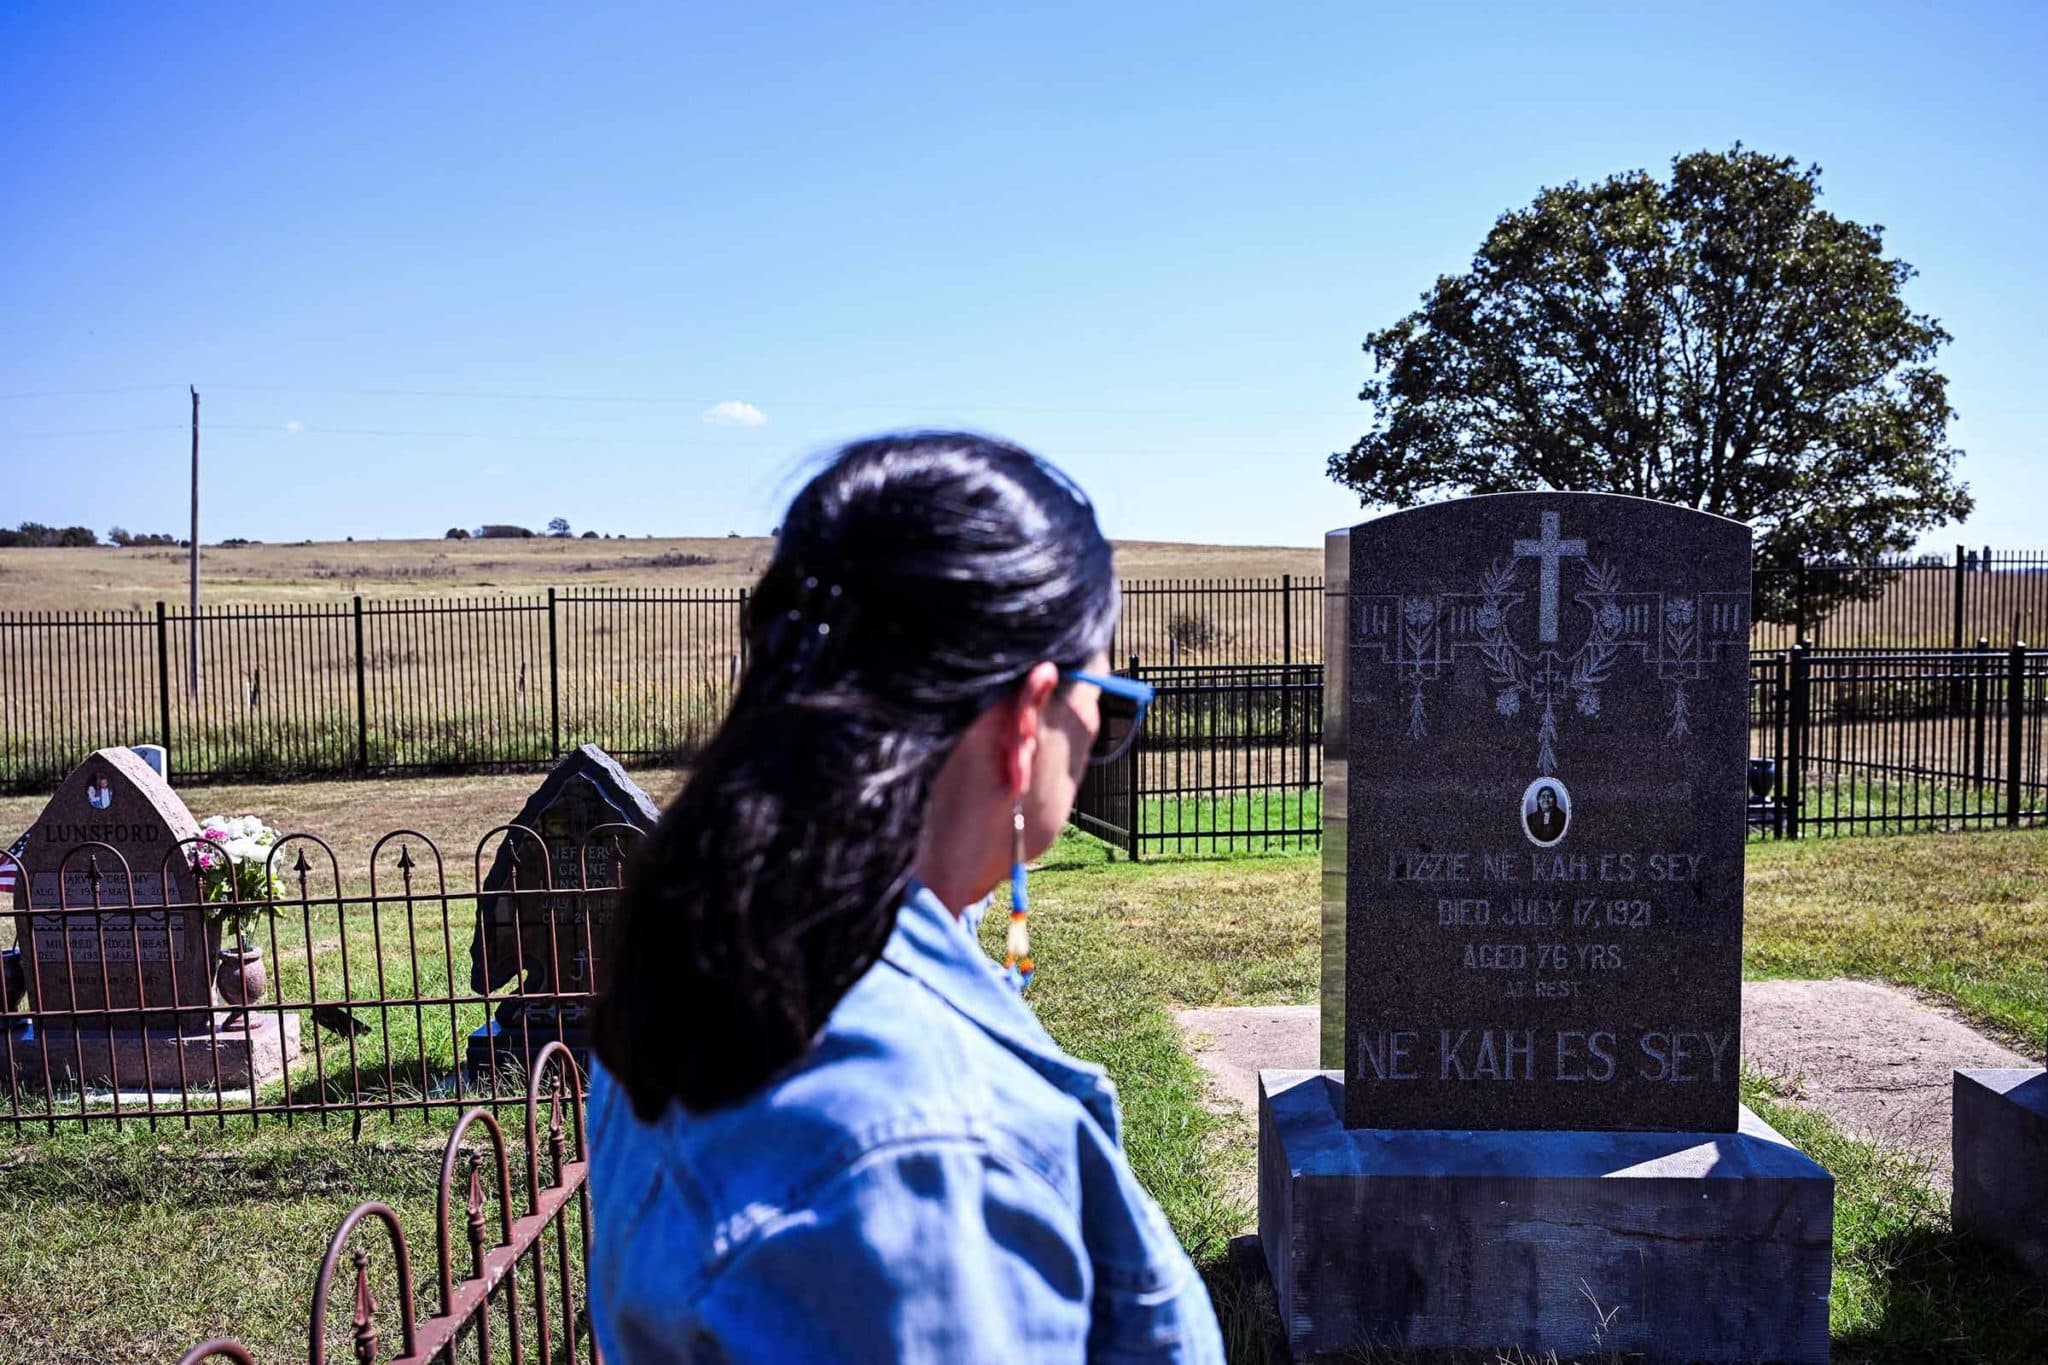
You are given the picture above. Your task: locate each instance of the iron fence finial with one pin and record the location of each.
(475, 1211)
(365, 1313)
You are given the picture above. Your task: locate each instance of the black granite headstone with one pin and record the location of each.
(587, 814)
(1548, 705)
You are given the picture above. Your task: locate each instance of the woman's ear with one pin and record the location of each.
(1027, 715)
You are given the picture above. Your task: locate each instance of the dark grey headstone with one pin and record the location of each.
(2001, 1162)
(1513, 962)
(587, 814)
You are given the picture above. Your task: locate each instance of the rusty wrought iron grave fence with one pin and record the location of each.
(507, 1284)
(393, 989)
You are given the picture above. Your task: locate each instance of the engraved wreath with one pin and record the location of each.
(1542, 677)
(1547, 682)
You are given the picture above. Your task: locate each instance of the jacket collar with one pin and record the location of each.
(938, 950)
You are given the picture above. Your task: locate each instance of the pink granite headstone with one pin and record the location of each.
(107, 844)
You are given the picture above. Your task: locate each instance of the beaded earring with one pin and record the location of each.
(1017, 946)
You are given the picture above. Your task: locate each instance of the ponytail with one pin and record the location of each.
(915, 581)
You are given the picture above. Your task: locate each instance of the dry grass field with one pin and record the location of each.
(105, 578)
(393, 655)
(1918, 609)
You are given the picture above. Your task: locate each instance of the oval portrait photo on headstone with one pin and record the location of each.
(1546, 811)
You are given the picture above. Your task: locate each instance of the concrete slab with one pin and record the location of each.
(237, 1052)
(1233, 1045)
(1875, 1059)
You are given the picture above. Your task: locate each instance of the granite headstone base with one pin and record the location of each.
(238, 1053)
(1671, 1246)
(2001, 1159)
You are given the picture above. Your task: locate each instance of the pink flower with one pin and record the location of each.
(218, 835)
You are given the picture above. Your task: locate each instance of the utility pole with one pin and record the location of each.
(192, 646)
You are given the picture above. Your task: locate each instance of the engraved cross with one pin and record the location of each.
(1548, 551)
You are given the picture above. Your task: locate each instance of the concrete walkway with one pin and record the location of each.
(1874, 1059)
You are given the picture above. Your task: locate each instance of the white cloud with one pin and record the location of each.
(734, 413)
(294, 427)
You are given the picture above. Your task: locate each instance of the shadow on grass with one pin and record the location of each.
(1943, 1297)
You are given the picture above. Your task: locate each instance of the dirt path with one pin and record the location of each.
(1874, 1059)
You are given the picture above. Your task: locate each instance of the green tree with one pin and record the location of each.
(1718, 341)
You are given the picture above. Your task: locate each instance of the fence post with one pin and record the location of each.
(1286, 662)
(2015, 720)
(554, 683)
(163, 681)
(1799, 631)
(1980, 715)
(1286, 620)
(362, 697)
(1802, 705)
(1136, 758)
(743, 630)
(1956, 625)
(1781, 707)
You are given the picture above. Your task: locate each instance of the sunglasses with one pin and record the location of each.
(1123, 705)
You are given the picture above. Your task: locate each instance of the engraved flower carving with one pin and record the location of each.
(1610, 618)
(1589, 703)
(1508, 702)
(1419, 611)
(1489, 616)
(1678, 611)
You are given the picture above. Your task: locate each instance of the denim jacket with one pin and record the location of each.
(934, 1181)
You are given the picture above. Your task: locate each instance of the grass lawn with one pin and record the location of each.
(1963, 917)
(132, 1246)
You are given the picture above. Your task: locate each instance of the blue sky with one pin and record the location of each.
(441, 265)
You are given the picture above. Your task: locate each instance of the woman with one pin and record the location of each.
(825, 1127)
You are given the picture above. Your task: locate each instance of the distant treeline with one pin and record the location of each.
(558, 529)
(34, 534)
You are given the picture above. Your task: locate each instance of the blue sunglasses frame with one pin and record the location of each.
(1138, 693)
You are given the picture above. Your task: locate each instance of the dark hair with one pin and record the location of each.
(915, 581)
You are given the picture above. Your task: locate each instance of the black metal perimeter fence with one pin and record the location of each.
(1981, 594)
(1231, 758)
(1841, 742)
(364, 686)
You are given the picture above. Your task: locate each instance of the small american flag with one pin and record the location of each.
(10, 871)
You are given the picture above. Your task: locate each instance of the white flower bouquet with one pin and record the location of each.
(233, 864)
